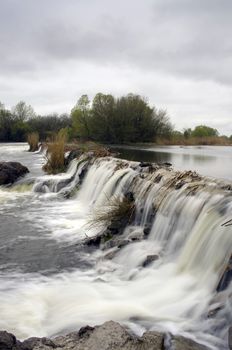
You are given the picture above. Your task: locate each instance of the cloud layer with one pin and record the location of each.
(178, 53)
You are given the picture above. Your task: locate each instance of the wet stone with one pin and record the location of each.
(11, 171)
(181, 343)
(150, 259)
(8, 341)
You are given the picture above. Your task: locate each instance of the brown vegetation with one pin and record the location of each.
(33, 141)
(55, 154)
(117, 210)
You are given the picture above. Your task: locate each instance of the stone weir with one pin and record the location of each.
(145, 216)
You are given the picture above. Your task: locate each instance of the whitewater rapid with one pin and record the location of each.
(174, 293)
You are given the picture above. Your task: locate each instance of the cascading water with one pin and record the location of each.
(182, 215)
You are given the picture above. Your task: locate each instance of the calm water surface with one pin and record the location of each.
(213, 161)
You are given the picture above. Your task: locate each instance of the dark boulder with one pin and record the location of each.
(32, 343)
(150, 259)
(11, 171)
(165, 164)
(180, 184)
(147, 230)
(8, 341)
(73, 154)
(130, 196)
(145, 165)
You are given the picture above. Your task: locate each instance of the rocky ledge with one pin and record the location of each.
(109, 336)
(11, 171)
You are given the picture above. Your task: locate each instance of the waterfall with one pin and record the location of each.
(178, 218)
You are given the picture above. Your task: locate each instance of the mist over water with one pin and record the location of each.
(51, 284)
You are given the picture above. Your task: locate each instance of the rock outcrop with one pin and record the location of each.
(109, 336)
(11, 171)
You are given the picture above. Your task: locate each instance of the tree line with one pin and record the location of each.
(21, 120)
(105, 119)
(118, 120)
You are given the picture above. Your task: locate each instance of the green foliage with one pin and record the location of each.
(125, 119)
(187, 133)
(11, 128)
(102, 118)
(106, 119)
(81, 117)
(5, 125)
(204, 131)
(48, 126)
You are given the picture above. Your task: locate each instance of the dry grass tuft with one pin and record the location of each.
(116, 210)
(55, 154)
(33, 141)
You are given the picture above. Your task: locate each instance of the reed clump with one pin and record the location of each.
(118, 210)
(56, 154)
(33, 141)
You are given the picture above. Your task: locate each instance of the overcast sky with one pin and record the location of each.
(177, 53)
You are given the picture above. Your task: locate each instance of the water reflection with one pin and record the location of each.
(143, 156)
(213, 161)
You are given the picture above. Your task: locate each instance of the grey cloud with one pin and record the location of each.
(165, 49)
(182, 37)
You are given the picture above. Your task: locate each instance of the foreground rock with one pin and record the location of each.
(109, 336)
(11, 171)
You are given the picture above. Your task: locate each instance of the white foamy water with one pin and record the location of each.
(174, 293)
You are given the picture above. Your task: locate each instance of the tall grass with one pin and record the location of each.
(116, 210)
(33, 141)
(55, 154)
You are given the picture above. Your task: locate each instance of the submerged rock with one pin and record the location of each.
(150, 259)
(11, 171)
(109, 336)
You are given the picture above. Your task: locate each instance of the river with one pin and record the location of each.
(50, 283)
(213, 161)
